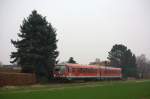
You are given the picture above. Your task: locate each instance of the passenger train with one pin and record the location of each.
(86, 72)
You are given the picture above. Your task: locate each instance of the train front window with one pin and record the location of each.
(59, 68)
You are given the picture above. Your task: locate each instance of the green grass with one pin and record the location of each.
(98, 90)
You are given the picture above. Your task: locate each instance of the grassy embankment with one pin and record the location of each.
(92, 90)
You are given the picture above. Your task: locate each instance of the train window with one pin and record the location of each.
(78, 69)
(91, 70)
(105, 71)
(67, 69)
(118, 72)
(60, 69)
(87, 70)
(114, 71)
(73, 69)
(82, 70)
(57, 69)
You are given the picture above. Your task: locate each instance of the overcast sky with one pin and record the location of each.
(86, 29)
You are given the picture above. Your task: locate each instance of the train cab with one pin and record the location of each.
(60, 71)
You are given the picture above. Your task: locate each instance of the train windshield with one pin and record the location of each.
(59, 68)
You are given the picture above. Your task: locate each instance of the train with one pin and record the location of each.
(85, 72)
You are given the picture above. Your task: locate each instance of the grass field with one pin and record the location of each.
(93, 90)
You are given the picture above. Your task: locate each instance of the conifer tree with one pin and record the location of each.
(122, 57)
(71, 60)
(36, 48)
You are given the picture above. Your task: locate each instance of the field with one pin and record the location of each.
(91, 90)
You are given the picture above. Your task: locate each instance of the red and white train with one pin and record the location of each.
(89, 72)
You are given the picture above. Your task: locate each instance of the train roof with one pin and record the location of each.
(88, 66)
(82, 66)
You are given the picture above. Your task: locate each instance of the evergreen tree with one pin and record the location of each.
(122, 57)
(36, 46)
(71, 60)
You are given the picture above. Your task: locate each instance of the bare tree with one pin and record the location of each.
(147, 71)
(1, 64)
(143, 66)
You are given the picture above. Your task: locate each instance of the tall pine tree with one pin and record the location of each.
(36, 46)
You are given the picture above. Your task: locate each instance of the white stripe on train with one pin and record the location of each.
(93, 76)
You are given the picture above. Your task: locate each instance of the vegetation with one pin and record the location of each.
(1, 64)
(71, 60)
(100, 90)
(143, 66)
(36, 46)
(121, 56)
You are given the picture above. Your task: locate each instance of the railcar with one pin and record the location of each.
(86, 72)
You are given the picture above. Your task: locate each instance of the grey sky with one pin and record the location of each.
(86, 29)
